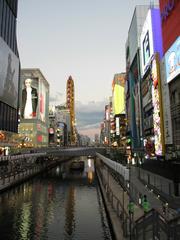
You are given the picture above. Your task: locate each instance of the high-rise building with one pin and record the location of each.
(9, 73)
(62, 119)
(133, 78)
(152, 111)
(70, 106)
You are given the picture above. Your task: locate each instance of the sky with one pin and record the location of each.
(82, 38)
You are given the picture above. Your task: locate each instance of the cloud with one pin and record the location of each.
(90, 132)
(57, 97)
(89, 117)
(91, 106)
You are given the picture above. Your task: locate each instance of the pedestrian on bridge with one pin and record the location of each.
(145, 204)
(131, 208)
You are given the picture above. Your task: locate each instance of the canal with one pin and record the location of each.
(63, 203)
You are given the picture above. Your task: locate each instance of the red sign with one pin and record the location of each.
(170, 19)
(39, 138)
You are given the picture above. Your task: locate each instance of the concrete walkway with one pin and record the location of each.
(138, 188)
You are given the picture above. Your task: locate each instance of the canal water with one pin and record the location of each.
(61, 204)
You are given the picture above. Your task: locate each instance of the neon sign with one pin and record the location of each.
(156, 105)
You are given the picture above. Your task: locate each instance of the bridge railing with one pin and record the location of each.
(21, 156)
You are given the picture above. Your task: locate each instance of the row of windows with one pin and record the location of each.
(8, 26)
(8, 118)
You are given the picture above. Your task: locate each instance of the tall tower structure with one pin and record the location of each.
(70, 106)
(9, 76)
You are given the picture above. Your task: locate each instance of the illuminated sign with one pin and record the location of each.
(147, 48)
(156, 112)
(167, 109)
(172, 61)
(118, 98)
(42, 100)
(117, 126)
(29, 99)
(39, 138)
(150, 39)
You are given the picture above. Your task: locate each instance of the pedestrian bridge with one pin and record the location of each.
(75, 151)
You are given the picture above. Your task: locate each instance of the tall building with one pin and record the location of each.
(63, 126)
(152, 110)
(70, 105)
(9, 73)
(133, 78)
(34, 112)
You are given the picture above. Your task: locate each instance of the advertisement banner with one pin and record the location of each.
(42, 101)
(146, 39)
(167, 109)
(118, 99)
(9, 75)
(29, 104)
(151, 39)
(172, 61)
(117, 126)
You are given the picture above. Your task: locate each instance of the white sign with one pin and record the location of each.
(167, 109)
(172, 61)
(117, 126)
(146, 43)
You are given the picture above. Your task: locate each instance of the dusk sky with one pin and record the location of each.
(82, 38)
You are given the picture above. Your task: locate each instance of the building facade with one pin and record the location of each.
(171, 74)
(133, 80)
(9, 73)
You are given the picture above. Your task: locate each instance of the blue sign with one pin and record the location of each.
(172, 61)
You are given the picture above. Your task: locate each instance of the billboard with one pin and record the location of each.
(118, 94)
(156, 112)
(34, 101)
(117, 126)
(157, 107)
(170, 10)
(146, 39)
(9, 75)
(166, 110)
(150, 39)
(30, 98)
(172, 61)
(43, 101)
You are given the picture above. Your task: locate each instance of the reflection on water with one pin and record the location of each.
(61, 204)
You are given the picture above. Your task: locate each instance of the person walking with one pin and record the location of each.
(145, 204)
